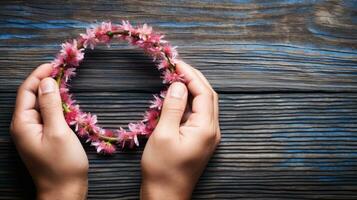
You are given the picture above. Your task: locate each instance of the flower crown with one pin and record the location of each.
(68, 60)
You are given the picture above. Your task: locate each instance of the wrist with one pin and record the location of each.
(70, 189)
(161, 189)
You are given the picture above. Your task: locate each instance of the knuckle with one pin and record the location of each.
(174, 110)
(163, 137)
(48, 104)
(210, 135)
(58, 131)
(218, 140)
(216, 96)
(205, 130)
(211, 94)
(12, 128)
(57, 135)
(15, 122)
(20, 88)
(218, 137)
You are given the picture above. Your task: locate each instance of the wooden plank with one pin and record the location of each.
(248, 68)
(330, 22)
(278, 142)
(257, 46)
(274, 146)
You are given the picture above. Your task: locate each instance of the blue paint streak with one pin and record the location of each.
(260, 22)
(21, 10)
(280, 49)
(16, 36)
(316, 134)
(48, 24)
(280, 2)
(329, 35)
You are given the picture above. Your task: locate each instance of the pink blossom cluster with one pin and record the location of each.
(68, 60)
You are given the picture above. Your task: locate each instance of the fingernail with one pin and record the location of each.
(47, 86)
(177, 90)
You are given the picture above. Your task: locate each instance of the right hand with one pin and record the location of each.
(183, 141)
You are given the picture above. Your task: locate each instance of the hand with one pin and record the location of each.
(183, 141)
(51, 151)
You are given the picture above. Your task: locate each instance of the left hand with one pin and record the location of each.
(49, 148)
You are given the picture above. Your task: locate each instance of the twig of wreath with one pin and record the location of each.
(68, 60)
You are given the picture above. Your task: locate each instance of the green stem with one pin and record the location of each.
(65, 108)
(59, 77)
(111, 34)
(172, 68)
(107, 138)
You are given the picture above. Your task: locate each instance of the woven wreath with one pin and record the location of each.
(68, 60)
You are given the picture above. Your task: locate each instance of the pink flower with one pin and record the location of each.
(151, 118)
(153, 51)
(65, 96)
(58, 61)
(157, 39)
(144, 31)
(101, 32)
(157, 102)
(80, 121)
(163, 94)
(108, 133)
(72, 116)
(164, 64)
(82, 132)
(104, 147)
(170, 51)
(55, 71)
(126, 26)
(137, 128)
(150, 42)
(170, 77)
(68, 73)
(90, 121)
(70, 54)
(126, 136)
(89, 38)
(93, 137)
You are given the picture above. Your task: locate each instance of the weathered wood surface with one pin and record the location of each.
(286, 72)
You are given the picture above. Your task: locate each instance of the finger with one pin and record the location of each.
(215, 99)
(202, 103)
(173, 107)
(215, 103)
(26, 95)
(26, 117)
(203, 78)
(188, 110)
(50, 104)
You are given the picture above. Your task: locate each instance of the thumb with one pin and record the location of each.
(50, 104)
(174, 106)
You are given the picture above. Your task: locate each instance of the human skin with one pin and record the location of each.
(173, 159)
(50, 150)
(183, 141)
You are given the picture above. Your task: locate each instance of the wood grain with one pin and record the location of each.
(248, 67)
(273, 145)
(286, 72)
(277, 46)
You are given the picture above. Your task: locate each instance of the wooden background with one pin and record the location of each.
(286, 72)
